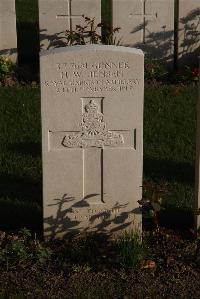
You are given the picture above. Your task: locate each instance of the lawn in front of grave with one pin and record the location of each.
(169, 153)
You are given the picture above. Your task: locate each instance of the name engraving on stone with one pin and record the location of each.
(92, 77)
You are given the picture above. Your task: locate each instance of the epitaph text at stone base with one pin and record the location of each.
(92, 127)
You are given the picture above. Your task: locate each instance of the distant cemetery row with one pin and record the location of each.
(167, 30)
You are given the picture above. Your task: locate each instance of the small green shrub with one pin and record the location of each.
(43, 254)
(6, 66)
(187, 75)
(13, 253)
(88, 34)
(152, 201)
(15, 248)
(154, 70)
(132, 250)
(24, 233)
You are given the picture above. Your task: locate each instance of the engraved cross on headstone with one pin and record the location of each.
(145, 17)
(69, 16)
(94, 137)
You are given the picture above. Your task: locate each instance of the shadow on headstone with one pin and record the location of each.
(54, 41)
(157, 45)
(189, 47)
(63, 225)
(12, 53)
(160, 45)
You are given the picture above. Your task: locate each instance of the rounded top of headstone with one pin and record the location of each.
(92, 47)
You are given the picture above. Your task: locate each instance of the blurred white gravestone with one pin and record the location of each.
(8, 34)
(57, 16)
(147, 25)
(92, 128)
(189, 32)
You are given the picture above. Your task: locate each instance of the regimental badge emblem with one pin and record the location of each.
(93, 131)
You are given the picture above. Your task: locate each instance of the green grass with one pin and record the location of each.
(169, 147)
(169, 152)
(20, 158)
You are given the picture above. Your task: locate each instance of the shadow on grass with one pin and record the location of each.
(169, 170)
(20, 188)
(29, 148)
(21, 196)
(176, 218)
(164, 170)
(20, 201)
(15, 214)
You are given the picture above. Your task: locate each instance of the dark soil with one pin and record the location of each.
(92, 268)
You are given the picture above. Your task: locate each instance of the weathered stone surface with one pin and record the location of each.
(92, 127)
(189, 31)
(148, 25)
(57, 16)
(8, 35)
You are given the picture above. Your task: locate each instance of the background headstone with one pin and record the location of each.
(92, 124)
(57, 16)
(8, 35)
(197, 169)
(189, 32)
(148, 25)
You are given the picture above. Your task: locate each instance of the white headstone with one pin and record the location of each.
(8, 35)
(147, 25)
(189, 31)
(57, 16)
(92, 127)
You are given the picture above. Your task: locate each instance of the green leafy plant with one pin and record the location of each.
(88, 34)
(81, 268)
(192, 74)
(186, 75)
(43, 254)
(132, 250)
(15, 248)
(154, 70)
(25, 233)
(6, 66)
(13, 253)
(152, 201)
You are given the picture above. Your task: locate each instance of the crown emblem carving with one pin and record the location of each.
(93, 130)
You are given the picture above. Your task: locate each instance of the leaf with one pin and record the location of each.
(156, 206)
(149, 264)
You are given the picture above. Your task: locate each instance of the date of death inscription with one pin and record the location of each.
(92, 77)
